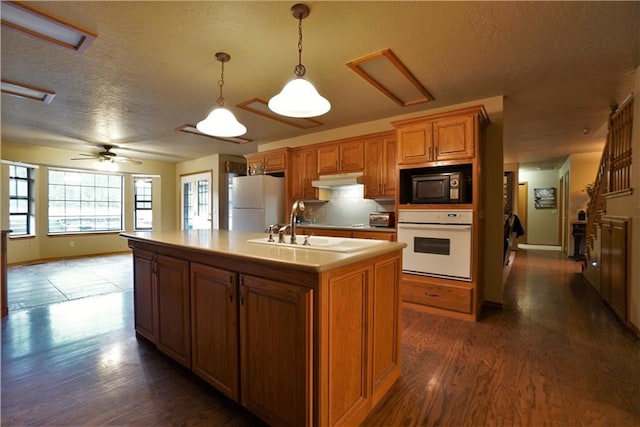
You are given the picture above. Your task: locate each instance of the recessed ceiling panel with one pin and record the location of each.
(192, 129)
(260, 106)
(389, 75)
(22, 90)
(22, 17)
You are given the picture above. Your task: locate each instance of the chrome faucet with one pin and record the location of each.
(298, 205)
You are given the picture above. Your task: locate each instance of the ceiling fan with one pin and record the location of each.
(107, 156)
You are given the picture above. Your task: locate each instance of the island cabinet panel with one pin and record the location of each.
(276, 354)
(144, 294)
(214, 327)
(173, 312)
(385, 327)
(348, 346)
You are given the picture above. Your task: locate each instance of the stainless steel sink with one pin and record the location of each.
(322, 243)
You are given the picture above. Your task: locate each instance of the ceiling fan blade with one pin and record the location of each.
(87, 155)
(126, 160)
(81, 158)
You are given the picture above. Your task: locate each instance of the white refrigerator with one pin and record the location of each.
(257, 201)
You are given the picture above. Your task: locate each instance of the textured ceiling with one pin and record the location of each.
(560, 66)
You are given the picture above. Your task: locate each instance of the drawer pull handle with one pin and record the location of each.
(431, 295)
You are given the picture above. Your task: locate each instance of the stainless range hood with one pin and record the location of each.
(338, 180)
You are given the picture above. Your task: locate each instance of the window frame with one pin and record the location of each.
(29, 214)
(91, 203)
(138, 204)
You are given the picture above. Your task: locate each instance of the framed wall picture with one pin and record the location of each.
(507, 192)
(545, 198)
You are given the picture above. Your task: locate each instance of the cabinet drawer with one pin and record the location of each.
(455, 298)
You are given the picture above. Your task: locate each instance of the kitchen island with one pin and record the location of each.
(298, 336)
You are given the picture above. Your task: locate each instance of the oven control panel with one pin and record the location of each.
(436, 216)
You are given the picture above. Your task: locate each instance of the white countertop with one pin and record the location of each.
(233, 243)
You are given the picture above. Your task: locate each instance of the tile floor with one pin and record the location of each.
(46, 283)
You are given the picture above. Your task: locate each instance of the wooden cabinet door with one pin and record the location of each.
(276, 350)
(415, 143)
(328, 159)
(374, 172)
(214, 327)
(339, 158)
(352, 156)
(380, 172)
(386, 329)
(454, 138)
(173, 319)
(618, 281)
(605, 267)
(303, 169)
(275, 161)
(389, 167)
(144, 294)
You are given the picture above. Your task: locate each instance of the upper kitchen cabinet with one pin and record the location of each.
(303, 170)
(268, 162)
(380, 175)
(440, 138)
(341, 157)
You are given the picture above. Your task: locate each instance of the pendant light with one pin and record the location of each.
(221, 122)
(299, 98)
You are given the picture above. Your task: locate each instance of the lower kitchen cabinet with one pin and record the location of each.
(214, 327)
(276, 355)
(294, 347)
(173, 311)
(144, 294)
(439, 293)
(161, 300)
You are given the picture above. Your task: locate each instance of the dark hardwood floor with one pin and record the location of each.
(553, 356)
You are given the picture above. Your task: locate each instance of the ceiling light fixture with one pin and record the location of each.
(299, 98)
(221, 122)
(22, 17)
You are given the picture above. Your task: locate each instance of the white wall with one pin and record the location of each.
(543, 225)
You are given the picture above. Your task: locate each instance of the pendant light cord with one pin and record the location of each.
(300, 70)
(220, 84)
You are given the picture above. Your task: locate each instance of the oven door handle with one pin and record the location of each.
(437, 227)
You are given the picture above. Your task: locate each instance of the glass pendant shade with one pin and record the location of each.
(299, 99)
(221, 123)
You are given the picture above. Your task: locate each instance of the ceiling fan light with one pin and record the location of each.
(105, 165)
(221, 123)
(300, 99)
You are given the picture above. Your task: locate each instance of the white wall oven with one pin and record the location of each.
(439, 242)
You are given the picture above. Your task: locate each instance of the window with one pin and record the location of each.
(143, 215)
(81, 202)
(21, 201)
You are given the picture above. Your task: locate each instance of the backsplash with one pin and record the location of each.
(344, 207)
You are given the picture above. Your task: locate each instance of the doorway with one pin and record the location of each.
(195, 201)
(523, 203)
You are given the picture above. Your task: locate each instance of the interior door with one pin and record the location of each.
(195, 201)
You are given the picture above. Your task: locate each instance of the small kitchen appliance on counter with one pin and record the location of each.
(382, 219)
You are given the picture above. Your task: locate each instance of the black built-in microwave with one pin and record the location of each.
(438, 188)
